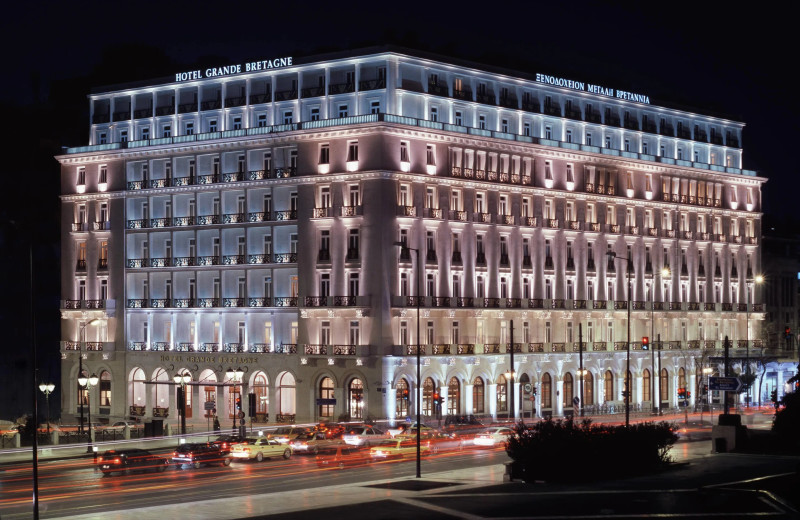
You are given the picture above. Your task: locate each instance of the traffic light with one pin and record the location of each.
(405, 394)
(645, 343)
(787, 333)
(681, 393)
(774, 397)
(238, 404)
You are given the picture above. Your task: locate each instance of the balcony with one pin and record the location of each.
(233, 302)
(285, 95)
(316, 301)
(214, 104)
(140, 223)
(505, 219)
(441, 350)
(458, 215)
(528, 221)
(434, 213)
(344, 301)
(536, 303)
(430, 256)
(259, 302)
(207, 220)
(257, 99)
(485, 218)
(514, 303)
(465, 302)
(406, 211)
(341, 88)
(259, 216)
(100, 118)
(165, 111)
(491, 303)
(286, 215)
(184, 261)
(599, 304)
(440, 301)
(233, 260)
(351, 211)
(137, 303)
(235, 101)
(160, 262)
(136, 263)
(184, 108)
(207, 302)
(210, 178)
(122, 115)
(551, 222)
(208, 347)
(371, 84)
(185, 347)
(283, 301)
(207, 260)
(462, 94)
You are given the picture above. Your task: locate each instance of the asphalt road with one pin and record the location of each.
(73, 487)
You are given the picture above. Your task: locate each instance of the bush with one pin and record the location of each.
(786, 425)
(563, 450)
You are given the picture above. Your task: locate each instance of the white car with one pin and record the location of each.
(363, 435)
(492, 437)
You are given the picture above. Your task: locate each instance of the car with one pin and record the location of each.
(260, 449)
(227, 442)
(312, 442)
(398, 448)
(363, 435)
(492, 436)
(286, 434)
(342, 456)
(120, 426)
(408, 429)
(441, 441)
(130, 459)
(197, 454)
(463, 425)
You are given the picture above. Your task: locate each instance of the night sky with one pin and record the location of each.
(722, 60)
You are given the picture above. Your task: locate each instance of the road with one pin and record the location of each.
(74, 487)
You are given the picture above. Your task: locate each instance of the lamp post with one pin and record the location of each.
(627, 394)
(235, 376)
(47, 389)
(758, 279)
(81, 341)
(403, 245)
(182, 380)
(664, 273)
(87, 383)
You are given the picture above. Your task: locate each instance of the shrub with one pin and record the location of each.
(565, 450)
(786, 425)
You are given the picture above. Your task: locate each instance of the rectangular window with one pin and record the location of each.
(526, 129)
(374, 107)
(430, 155)
(458, 119)
(324, 154)
(343, 111)
(315, 113)
(288, 117)
(261, 120)
(434, 114)
(352, 151)
(237, 123)
(482, 122)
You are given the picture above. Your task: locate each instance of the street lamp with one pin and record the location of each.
(627, 394)
(582, 378)
(81, 341)
(182, 380)
(707, 372)
(87, 383)
(47, 389)
(403, 245)
(664, 273)
(235, 376)
(758, 279)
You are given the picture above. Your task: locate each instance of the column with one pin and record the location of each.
(445, 400)
(390, 404)
(559, 397)
(517, 400)
(692, 383)
(491, 391)
(469, 406)
(341, 406)
(638, 384)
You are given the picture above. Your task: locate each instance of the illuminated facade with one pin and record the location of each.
(231, 219)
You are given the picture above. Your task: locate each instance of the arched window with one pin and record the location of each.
(189, 393)
(286, 394)
(608, 386)
(402, 397)
(260, 388)
(663, 385)
(209, 379)
(646, 383)
(326, 392)
(427, 397)
(161, 390)
(629, 386)
(588, 389)
(137, 388)
(568, 390)
(356, 399)
(105, 389)
(477, 395)
(682, 378)
(547, 391)
(502, 396)
(453, 397)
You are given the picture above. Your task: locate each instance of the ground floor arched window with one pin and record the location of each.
(663, 385)
(326, 394)
(105, 389)
(478, 392)
(588, 389)
(453, 397)
(427, 397)
(286, 394)
(502, 394)
(138, 388)
(260, 389)
(608, 385)
(402, 397)
(682, 378)
(356, 398)
(568, 390)
(646, 384)
(547, 391)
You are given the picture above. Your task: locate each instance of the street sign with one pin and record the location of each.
(725, 384)
(209, 405)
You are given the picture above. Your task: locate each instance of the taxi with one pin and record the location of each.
(260, 449)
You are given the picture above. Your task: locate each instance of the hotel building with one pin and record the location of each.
(245, 217)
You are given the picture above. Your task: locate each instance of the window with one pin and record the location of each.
(375, 107)
(261, 120)
(526, 129)
(608, 141)
(352, 151)
(458, 118)
(430, 155)
(103, 139)
(504, 126)
(145, 133)
(434, 114)
(502, 394)
(288, 117)
(353, 284)
(352, 245)
(482, 122)
(588, 138)
(326, 395)
(166, 131)
(548, 132)
(547, 391)
(212, 125)
(123, 135)
(478, 393)
(569, 136)
(314, 113)
(343, 112)
(237, 123)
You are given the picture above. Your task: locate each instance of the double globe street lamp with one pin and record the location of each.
(182, 380)
(87, 383)
(47, 389)
(627, 393)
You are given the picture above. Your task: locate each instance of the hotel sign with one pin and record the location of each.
(238, 68)
(594, 89)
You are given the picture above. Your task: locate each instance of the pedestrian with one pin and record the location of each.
(216, 424)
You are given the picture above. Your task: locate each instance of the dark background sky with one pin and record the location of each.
(719, 59)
